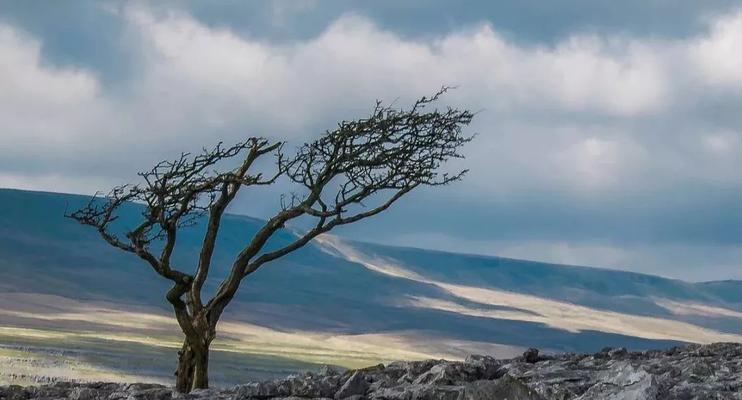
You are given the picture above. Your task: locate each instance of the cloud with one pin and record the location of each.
(41, 107)
(197, 84)
(592, 121)
(353, 61)
(717, 55)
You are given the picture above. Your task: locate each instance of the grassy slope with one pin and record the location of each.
(309, 307)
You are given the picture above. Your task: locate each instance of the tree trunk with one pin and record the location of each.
(193, 368)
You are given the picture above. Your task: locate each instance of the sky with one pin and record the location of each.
(608, 133)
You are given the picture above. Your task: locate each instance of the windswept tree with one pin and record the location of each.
(353, 172)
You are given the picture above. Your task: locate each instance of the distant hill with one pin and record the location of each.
(352, 287)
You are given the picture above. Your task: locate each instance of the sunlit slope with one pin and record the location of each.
(553, 313)
(454, 301)
(714, 304)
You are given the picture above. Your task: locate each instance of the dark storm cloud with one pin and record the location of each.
(86, 32)
(528, 20)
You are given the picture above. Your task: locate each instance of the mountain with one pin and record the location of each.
(445, 303)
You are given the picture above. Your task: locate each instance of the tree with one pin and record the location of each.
(350, 173)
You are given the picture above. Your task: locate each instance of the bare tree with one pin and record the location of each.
(350, 173)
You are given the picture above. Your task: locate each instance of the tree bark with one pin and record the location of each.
(193, 368)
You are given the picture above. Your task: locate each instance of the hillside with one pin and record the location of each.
(445, 304)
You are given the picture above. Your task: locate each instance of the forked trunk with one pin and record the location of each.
(193, 368)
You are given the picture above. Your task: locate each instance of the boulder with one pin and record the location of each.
(483, 367)
(531, 356)
(440, 374)
(623, 382)
(356, 385)
(505, 388)
(693, 372)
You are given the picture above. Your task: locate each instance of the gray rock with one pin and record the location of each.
(618, 352)
(483, 367)
(506, 387)
(355, 385)
(531, 356)
(441, 374)
(692, 372)
(419, 392)
(158, 393)
(623, 382)
(258, 390)
(327, 370)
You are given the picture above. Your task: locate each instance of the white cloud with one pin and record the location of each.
(562, 114)
(41, 106)
(721, 143)
(585, 73)
(717, 56)
(208, 83)
(353, 62)
(588, 115)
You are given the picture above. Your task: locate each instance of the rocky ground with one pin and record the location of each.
(690, 372)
